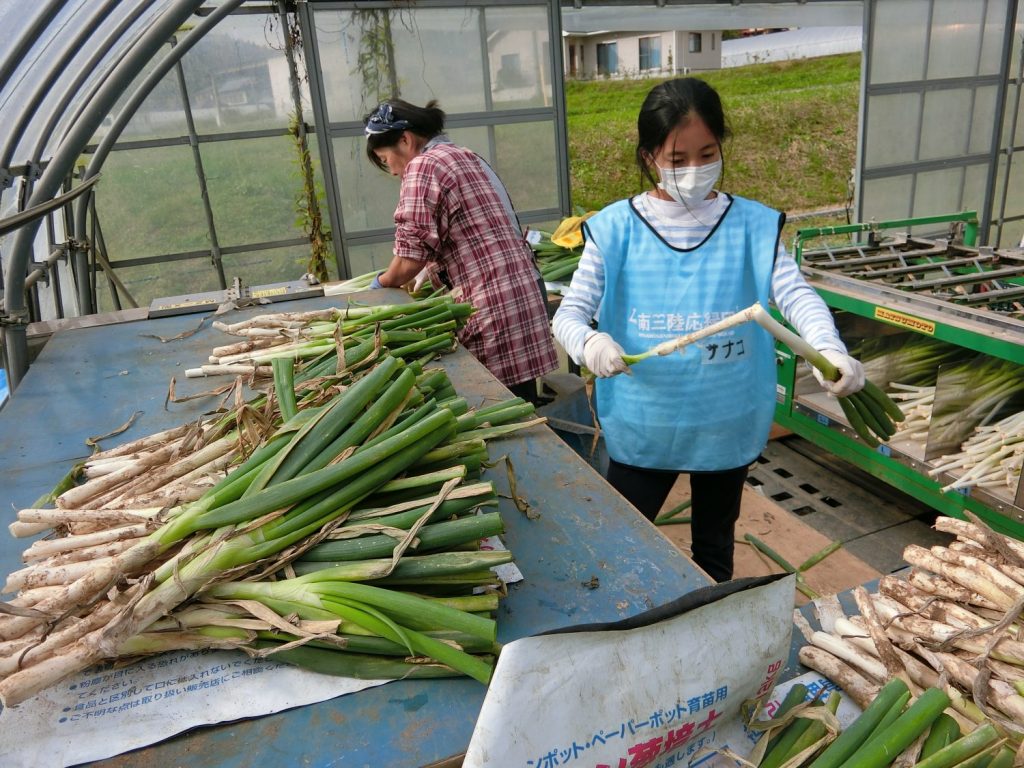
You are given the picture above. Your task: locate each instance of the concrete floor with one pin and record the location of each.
(872, 519)
(798, 500)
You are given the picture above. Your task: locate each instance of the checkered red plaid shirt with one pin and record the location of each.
(450, 216)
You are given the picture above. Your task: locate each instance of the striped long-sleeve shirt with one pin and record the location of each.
(685, 228)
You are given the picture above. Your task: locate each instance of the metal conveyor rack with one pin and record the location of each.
(901, 290)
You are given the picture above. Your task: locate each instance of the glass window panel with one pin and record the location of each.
(1015, 48)
(368, 195)
(1008, 118)
(1015, 189)
(438, 55)
(886, 199)
(367, 258)
(523, 156)
(1014, 203)
(271, 265)
(237, 76)
(519, 53)
(607, 58)
(161, 115)
(982, 121)
(526, 161)
(477, 138)
(253, 185)
(900, 33)
(370, 54)
(155, 281)
(650, 52)
(944, 126)
(149, 203)
(992, 43)
(344, 40)
(975, 180)
(938, 192)
(1012, 235)
(892, 129)
(956, 36)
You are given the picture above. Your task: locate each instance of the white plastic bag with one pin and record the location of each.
(659, 689)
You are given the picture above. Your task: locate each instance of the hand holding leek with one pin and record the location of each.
(851, 374)
(871, 413)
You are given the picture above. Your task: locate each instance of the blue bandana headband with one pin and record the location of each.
(383, 120)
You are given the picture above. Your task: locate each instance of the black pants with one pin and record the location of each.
(714, 509)
(526, 390)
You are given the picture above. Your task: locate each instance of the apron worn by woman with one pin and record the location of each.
(660, 292)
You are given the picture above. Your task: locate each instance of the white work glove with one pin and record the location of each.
(603, 356)
(852, 374)
(422, 277)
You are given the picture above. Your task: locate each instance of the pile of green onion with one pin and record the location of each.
(947, 640)
(555, 262)
(331, 520)
(895, 729)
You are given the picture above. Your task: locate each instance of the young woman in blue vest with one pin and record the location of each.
(667, 262)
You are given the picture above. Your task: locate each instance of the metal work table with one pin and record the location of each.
(588, 557)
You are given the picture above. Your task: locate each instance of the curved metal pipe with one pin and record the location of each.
(86, 69)
(127, 112)
(21, 218)
(115, 37)
(45, 81)
(63, 161)
(28, 38)
(83, 72)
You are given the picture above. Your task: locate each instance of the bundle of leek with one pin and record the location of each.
(909, 358)
(355, 284)
(916, 403)
(895, 729)
(870, 412)
(414, 330)
(990, 458)
(983, 390)
(558, 253)
(953, 624)
(97, 590)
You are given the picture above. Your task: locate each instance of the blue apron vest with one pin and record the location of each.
(711, 406)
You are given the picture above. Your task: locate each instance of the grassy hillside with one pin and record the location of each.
(794, 130)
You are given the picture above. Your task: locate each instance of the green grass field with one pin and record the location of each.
(794, 134)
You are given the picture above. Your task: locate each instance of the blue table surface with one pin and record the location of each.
(88, 382)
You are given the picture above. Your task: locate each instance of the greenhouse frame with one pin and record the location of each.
(226, 153)
(224, 137)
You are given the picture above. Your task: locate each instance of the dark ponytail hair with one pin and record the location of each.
(667, 106)
(426, 121)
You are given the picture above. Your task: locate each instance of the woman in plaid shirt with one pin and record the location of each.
(455, 218)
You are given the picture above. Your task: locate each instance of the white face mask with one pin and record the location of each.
(691, 184)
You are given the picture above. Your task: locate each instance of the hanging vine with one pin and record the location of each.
(309, 199)
(375, 61)
(308, 204)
